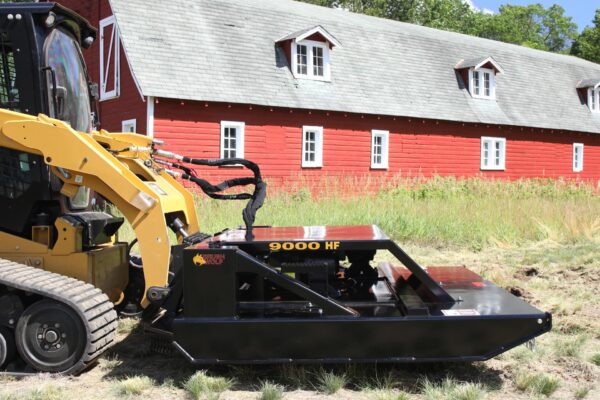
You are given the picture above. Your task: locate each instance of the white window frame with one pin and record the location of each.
(318, 162)
(239, 139)
(594, 99)
(480, 72)
(309, 60)
(129, 123)
(385, 149)
(493, 141)
(114, 54)
(577, 167)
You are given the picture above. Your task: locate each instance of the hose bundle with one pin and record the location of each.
(255, 199)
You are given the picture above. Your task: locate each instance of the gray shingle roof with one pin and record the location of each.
(224, 51)
(586, 83)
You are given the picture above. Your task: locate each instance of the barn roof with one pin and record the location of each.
(225, 51)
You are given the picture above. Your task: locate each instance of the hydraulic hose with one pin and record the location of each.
(255, 199)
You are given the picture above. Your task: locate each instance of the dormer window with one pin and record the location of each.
(308, 53)
(590, 89)
(312, 60)
(593, 99)
(483, 83)
(480, 76)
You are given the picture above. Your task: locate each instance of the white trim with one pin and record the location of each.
(596, 86)
(135, 80)
(318, 162)
(322, 32)
(385, 149)
(150, 116)
(129, 123)
(491, 61)
(310, 44)
(481, 73)
(593, 99)
(239, 137)
(481, 64)
(577, 166)
(492, 146)
(114, 55)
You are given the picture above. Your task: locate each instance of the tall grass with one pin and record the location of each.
(448, 211)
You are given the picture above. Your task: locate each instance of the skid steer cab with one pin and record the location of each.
(252, 294)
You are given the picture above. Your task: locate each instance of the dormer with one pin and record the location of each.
(308, 52)
(590, 89)
(479, 74)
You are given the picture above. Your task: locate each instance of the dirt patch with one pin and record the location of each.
(520, 292)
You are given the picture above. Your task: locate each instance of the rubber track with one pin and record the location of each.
(90, 303)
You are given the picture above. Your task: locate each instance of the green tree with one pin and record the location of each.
(454, 15)
(532, 25)
(587, 44)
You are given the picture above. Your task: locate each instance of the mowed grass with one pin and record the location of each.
(472, 212)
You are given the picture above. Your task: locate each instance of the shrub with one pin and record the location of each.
(270, 391)
(134, 385)
(201, 384)
(329, 382)
(451, 389)
(537, 383)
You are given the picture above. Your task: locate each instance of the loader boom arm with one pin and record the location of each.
(141, 190)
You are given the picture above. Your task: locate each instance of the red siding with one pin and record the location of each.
(273, 138)
(129, 104)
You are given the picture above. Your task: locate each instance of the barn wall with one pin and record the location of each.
(273, 138)
(129, 104)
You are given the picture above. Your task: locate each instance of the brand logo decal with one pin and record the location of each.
(208, 259)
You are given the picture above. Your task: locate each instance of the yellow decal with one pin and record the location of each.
(332, 245)
(199, 260)
(301, 246)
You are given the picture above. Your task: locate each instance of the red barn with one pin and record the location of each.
(307, 90)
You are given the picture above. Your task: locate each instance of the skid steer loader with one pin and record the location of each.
(245, 295)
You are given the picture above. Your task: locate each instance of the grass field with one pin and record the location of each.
(469, 213)
(537, 238)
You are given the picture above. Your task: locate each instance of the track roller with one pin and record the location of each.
(50, 336)
(8, 350)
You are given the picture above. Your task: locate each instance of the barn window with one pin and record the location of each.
(310, 59)
(479, 76)
(594, 99)
(109, 59)
(577, 157)
(310, 50)
(312, 146)
(493, 153)
(379, 149)
(301, 60)
(129, 126)
(483, 83)
(232, 139)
